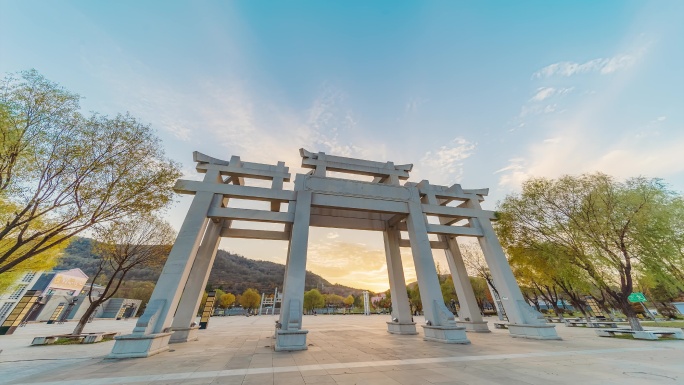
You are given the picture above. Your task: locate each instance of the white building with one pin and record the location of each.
(9, 299)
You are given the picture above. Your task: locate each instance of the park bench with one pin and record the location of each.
(592, 324)
(501, 325)
(86, 338)
(52, 339)
(91, 338)
(601, 324)
(644, 335)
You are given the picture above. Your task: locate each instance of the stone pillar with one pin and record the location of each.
(291, 336)
(152, 331)
(401, 310)
(439, 325)
(287, 263)
(469, 316)
(182, 326)
(525, 321)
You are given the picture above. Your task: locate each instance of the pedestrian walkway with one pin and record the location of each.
(351, 349)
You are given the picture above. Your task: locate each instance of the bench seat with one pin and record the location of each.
(645, 334)
(86, 338)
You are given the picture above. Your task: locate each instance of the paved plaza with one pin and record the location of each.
(350, 349)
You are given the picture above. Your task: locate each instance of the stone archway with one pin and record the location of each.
(385, 205)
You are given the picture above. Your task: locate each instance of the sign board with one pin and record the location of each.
(636, 297)
(208, 309)
(68, 282)
(593, 305)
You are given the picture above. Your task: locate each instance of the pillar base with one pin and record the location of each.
(535, 332)
(184, 335)
(139, 346)
(290, 340)
(445, 334)
(475, 327)
(401, 328)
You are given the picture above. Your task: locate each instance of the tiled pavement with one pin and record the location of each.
(343, 350)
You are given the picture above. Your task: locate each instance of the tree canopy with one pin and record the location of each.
(62, 173)
(250, 299)
(313, 299)
(226, 300)
(596, 229)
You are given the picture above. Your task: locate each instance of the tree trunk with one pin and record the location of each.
(603, 304)
(580, 306)
(631, 315)
(536, 304)
(557, 310)
(84, 319)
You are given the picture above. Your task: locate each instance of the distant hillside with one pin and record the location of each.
(231, 272)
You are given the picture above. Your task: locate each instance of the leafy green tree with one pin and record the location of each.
(358, 301)
(415, 303)
(333, 300)
(313, 299)
(448, 291)
(62, 173)
(481, 291)
(217, 297)
(250, 299)
(610, 230)
(226, 300)
(349, 301)
(141, 290)
(44, 261)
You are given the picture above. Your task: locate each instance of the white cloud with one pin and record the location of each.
(580, 149)
(513, 174)
(543, 93)
(445, 165)
(537, 109)
(601, 65)
(329, 125)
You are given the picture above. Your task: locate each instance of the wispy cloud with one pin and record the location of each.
(600, 65)
(414, 104)
(547, 92)
(582, 150)
(537, 109)
(445, 164)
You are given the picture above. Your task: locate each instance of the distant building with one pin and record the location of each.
(62, 296)
(57, 288)
(9, 299)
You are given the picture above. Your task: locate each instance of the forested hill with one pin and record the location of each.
(231, 272)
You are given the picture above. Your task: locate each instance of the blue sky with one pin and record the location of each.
(485, 94)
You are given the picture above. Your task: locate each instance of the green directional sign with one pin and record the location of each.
(636, 297)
